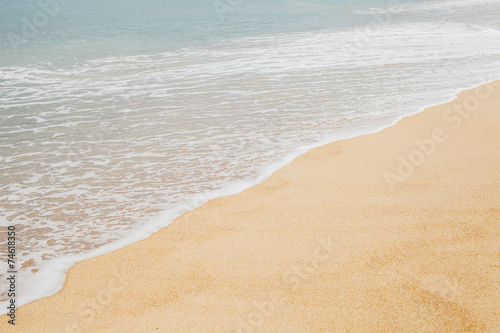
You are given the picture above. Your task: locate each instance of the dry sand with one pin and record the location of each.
(337, 241)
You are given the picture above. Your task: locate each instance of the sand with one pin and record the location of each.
(392, 231)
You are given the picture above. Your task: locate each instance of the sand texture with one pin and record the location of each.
(392, 231)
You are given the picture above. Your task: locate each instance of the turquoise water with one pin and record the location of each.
(64, 31)
(116, 116)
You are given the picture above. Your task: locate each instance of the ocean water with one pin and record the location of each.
(117, 116)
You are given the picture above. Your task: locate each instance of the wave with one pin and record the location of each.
(397, 7)
(109, 150)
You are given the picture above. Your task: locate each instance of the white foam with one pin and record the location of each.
(397, 7)
(115, 142)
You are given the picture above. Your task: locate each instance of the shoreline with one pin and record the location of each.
(195, 215)
(59, 266)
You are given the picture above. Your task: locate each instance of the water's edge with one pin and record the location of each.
(57, 268)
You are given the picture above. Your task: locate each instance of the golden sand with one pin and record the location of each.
(392, 231)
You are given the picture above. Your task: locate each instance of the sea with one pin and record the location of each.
(116, 116)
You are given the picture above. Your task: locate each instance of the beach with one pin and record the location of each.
(118, 117)
(391, 231)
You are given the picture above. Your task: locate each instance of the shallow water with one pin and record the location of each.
(116, 111)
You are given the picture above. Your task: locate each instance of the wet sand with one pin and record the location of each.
(392, 231)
